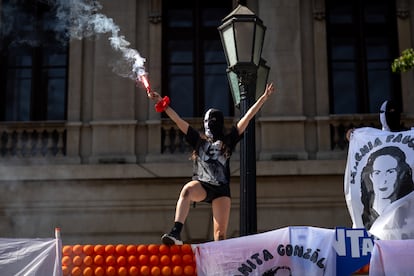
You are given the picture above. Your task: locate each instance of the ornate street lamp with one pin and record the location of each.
(242, 35)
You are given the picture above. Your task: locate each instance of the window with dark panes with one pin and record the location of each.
(194, 65)
(33, 62)
(362, 43)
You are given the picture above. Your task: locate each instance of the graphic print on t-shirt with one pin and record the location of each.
(212, 163)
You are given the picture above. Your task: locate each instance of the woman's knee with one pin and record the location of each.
(191, 190)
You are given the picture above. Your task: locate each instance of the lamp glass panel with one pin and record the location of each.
(262, 76)
(234, 86)
(258, 44)
(244, 34)
(229, 45)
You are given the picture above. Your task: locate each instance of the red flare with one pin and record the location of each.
(146, 84)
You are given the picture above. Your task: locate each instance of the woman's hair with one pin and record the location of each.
(404, 182)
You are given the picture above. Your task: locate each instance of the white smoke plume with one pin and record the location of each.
(84, 21)
(76, 19)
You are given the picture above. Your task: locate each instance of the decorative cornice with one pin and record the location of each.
(155, 18)
(318, 7)
(319, 15)
(403, 13)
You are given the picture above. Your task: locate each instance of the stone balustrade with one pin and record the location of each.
(32, 140)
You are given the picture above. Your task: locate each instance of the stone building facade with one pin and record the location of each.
(112, 170)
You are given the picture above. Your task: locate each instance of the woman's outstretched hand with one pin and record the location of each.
(269, 90)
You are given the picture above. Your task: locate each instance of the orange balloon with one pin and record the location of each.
(99, 249)
(98, 260)
(142, 249)
(133, 271)
(187, 259)
(120, 249)
(66, 260)
(153, 249)
(145, 270)
(110, 260)
(65, 270)
(109, 249)
(99, 271)
(165, 260)
(155, 270)
(88, 249)
(177, 270)
(164, 249)
(88, 260)
(77, 249)
(67, 250)
(131, 249)
(174, 249)
(188, 270)
(77, 260)
(88, 271)
(122, 271)
(143, 259)
(186, 249)
(76, 271)
(166, 270)
(121, 261)
(132, 260)
(154, 259)
(176, 259)
(110, 271)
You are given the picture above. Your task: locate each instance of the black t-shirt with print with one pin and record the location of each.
(212, 164)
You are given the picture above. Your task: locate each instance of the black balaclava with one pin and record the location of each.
(390, 116)
(214, 124)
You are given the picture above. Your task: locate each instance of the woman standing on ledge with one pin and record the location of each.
(211, 169)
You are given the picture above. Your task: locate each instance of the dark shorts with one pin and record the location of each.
(214, 192)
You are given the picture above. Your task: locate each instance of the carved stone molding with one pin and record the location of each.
(155, 18)
(319, 10)
(155, 14)
(319, 15)
(403, 11)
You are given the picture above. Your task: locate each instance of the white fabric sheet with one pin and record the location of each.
(30, 257)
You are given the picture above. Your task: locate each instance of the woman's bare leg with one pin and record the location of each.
(221, 214)
(192, 191)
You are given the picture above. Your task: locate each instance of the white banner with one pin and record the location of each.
(378, 182)
(287, 251)
(392, 258)
(30, 257)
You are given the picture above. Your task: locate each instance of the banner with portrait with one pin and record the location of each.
(378, 182)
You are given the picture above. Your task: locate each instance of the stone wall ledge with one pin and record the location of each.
(163, 170)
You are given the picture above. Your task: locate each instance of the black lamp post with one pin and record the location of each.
(242, 35)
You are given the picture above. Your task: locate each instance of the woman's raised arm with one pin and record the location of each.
(244, 121)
